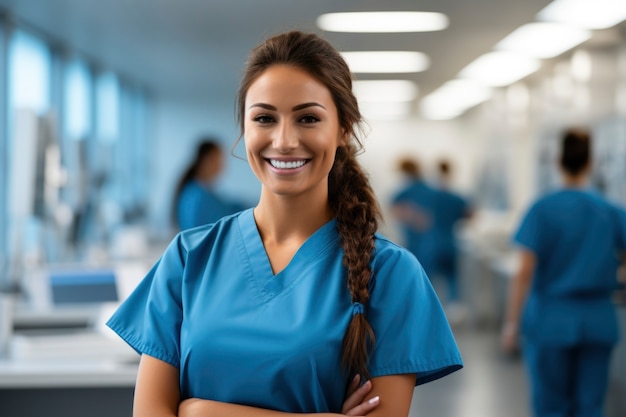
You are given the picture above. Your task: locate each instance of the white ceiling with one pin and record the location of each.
(196, 48)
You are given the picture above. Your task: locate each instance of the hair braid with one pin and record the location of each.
(357, 214)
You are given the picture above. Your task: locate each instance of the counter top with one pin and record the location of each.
(66, 373)
(79, 359)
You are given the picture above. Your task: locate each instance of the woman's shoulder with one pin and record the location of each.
(391, 255)
(208, 233)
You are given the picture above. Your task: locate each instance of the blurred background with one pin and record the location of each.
(102, 105)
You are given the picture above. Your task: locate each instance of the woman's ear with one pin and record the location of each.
(344, 138)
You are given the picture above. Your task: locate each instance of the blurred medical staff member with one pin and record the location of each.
(196, 202)
(571, 242)
(450, 208)
(413, 207)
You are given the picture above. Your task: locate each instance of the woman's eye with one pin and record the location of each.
(309, 119)
(263, 119)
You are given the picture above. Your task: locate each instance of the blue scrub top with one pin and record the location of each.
(199, 205)
(576, 236)
(212, 307)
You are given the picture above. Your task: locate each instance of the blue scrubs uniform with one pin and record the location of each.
(449, 209)
(569, 322)
(212, 307)
(199, 205)
(422, 243)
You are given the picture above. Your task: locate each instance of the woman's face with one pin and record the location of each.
(211, 166)
(291, 130)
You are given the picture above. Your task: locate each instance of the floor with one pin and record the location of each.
(489, 385)
(494, 385)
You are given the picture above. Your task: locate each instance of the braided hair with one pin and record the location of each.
(350, 195)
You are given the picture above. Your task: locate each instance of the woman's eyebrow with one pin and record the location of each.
(305, 105)
(263, 105)
(294, 108)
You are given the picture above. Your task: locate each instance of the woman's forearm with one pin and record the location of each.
(195, 407)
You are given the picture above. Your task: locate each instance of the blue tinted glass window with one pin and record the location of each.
(29, 73)
(107, 102)
(77, 100)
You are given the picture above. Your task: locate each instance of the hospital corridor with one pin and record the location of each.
(246, 207)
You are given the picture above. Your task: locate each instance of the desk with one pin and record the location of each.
(68, 374)
(64, 362)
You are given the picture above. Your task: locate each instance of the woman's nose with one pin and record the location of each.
(285, 138)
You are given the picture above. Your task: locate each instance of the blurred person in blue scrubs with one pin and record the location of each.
(196, 202)
(428, 215)
(450, 208)
(571, 242)
(413, 206)
(297, 305)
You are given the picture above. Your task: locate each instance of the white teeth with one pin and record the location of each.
(286, 165)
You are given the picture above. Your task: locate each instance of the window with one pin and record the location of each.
(29, 73)
(77, 101)
(28, 91)
(107, 103)
(77, 131)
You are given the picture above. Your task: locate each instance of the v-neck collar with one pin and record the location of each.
(266, 282)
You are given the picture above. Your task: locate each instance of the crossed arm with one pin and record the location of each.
(157, 394)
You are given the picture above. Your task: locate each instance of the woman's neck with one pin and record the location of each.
(283, 218)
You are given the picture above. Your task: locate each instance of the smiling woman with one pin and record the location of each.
(297, 306)
(291, 133)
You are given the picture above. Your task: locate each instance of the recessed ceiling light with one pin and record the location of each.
(382, 22)
(499, 68)
(543, 39)
(590, 14)
(386, 61)
(384, 90)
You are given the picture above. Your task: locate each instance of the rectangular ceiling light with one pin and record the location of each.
(382, 22)
(589, 14)
(453, 98)
(544, 40)
(499, 68)
(384, 90)
(386, 61)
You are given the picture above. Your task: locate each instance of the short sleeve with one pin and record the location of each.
(149, 320)
(527, 234)
(411, 330)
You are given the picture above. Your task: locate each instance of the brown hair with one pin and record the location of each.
(206, 147)
(444, 167)
(350, 195)
(575, 150)
(409, 167)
